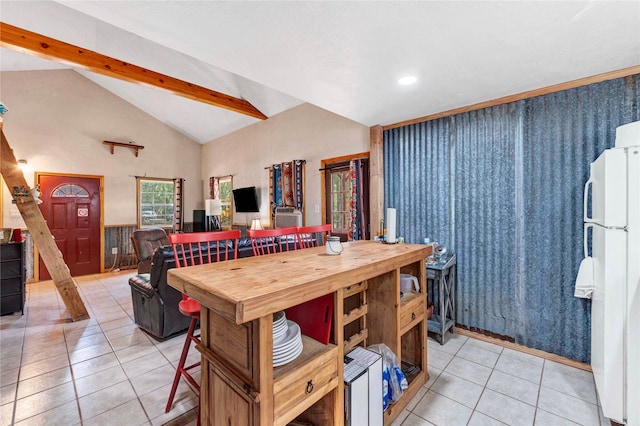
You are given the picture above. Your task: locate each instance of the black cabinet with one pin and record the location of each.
(12, 278)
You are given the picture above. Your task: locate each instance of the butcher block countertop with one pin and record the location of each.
(247, 289)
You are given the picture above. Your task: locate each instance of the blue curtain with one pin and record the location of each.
(502, 187)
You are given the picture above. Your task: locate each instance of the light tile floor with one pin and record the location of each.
(101, 371)
(475, 383)
(106, 371)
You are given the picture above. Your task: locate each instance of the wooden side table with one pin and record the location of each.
(441, 284)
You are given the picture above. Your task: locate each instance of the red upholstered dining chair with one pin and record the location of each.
(269, 241)
(189, 250)
(313, 236)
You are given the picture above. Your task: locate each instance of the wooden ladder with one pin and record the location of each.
(41, 234)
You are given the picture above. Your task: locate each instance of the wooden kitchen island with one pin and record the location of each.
(239, 384)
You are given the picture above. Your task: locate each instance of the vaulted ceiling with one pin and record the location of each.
(343, 56)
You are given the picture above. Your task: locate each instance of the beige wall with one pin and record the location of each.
(57, 121)
(305, 132)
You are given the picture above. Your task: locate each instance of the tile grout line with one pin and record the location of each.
(128, 379)
(144, 410)
(24, 333)
(121, 364)
(73, 378)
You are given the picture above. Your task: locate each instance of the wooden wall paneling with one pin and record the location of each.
(376, 179)
(119, 236)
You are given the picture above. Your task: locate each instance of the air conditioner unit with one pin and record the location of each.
(285, 210)
(291, 217)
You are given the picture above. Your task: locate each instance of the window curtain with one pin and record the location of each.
(286, 185)
(178, 200)
(357, 220)
(214, 187)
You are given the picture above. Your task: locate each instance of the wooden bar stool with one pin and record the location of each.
(189, 250)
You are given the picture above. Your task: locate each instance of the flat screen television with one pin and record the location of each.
(246, 200)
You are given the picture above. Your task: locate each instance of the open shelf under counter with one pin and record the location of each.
(312, 351)
(305, 380)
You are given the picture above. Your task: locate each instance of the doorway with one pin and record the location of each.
(337, 194)
(72, 207)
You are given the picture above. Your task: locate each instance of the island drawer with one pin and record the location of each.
(411, 313)
(300, 389)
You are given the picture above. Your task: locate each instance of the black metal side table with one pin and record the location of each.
(441, 286)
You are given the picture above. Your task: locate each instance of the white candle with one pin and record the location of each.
(391, 225)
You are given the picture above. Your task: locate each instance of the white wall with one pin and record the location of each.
(305, 132)
(57, 121)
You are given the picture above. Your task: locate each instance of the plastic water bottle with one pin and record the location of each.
(385, 388)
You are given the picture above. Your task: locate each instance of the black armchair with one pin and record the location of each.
(145, 242)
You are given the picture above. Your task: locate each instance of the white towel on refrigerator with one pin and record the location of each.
(584, 281)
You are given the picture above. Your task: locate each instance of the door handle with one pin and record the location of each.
(588, 184)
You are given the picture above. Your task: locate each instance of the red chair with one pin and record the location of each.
(270, 241)
(313, 236)
(314, 317)
(189, 250)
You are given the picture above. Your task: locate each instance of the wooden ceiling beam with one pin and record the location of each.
(48, 48)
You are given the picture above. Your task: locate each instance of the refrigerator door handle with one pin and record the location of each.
(588, 184)
(586, 239)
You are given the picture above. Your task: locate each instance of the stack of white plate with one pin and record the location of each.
(279, 324)
(287, 340)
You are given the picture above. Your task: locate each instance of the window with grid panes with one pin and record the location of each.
(155, 202)
(340, 198)
(226, 187)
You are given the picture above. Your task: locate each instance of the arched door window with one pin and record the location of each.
(69, 190)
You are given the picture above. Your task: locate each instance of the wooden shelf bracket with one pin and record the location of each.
(133, 146)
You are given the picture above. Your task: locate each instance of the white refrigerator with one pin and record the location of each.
(613, 217)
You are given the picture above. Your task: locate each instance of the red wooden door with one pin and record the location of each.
(71, 207)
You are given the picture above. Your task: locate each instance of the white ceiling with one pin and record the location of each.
(343, 56)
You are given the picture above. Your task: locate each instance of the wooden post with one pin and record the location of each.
(41, 235)
(376, 178)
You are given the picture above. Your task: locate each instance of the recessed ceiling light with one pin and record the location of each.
(405, 81)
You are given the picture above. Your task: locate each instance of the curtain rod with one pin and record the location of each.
(346, 166)
(302, 161)
(155, 178)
